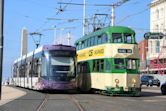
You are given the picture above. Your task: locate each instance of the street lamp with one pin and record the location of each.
(1, 42)
(37, 42)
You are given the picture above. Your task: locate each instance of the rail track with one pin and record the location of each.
(43, 103)
(70, 98)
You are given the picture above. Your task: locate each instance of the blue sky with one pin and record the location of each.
(34, 14)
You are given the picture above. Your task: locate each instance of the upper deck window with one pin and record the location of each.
(99, 40)
(117, 38)
(92, 41)
(104, 38)
(128, 38)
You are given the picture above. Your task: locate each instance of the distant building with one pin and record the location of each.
(158, 16)
(157, 47)
(143, 50)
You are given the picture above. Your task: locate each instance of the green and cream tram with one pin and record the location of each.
(108, 61)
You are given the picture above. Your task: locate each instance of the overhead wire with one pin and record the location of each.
(46, 22)
(131, 15)
(39, 4)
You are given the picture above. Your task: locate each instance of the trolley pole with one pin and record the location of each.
(1, 42)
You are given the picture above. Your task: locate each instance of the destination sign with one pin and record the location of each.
(150, 35)
(124, 51)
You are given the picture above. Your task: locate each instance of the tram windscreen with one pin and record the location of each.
(62, 67)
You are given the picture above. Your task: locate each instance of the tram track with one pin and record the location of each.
(70, 98)
(76, 102)
(43, 103)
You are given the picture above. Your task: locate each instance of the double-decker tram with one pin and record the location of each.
(50, 67)
(108, 61)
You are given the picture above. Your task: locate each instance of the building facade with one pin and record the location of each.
(143, 50)
(156, 56)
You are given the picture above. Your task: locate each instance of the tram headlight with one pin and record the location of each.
(134, 81)
(117, 82)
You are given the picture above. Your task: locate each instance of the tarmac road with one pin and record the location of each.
(151, 99)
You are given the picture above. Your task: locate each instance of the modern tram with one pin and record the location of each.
(108, 61)
(49, 67)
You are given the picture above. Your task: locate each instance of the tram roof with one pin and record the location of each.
(117, 29)
(45, 47)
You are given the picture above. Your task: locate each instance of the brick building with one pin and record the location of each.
(143, 50)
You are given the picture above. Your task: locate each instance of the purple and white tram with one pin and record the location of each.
(50, 67)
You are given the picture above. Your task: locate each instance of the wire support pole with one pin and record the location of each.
(84, 17)
(113, 16)
(1, 42)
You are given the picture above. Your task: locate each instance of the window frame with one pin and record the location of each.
(113, 39)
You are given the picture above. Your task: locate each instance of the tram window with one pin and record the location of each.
(128, 38)
(98, 65)
(15, 71)
(36, 67)
(107, 65)
(86, 43)
(99, 41)
(101, 65)
(95, 65)
(131, 64)
(82, 45)
(117, 38)
(119, 63)
(77, 46)
(104, 38)
(95, 40)
(22, 70)
(43, 67)
(88, 40)
(92, 41)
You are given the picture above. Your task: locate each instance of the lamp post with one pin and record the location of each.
(1, 42)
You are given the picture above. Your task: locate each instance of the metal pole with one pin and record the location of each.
(113, 16)
(1, 42)
(84, 17)
(55, 35)
(68, 38)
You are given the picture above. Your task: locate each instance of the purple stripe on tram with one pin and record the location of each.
(53, 85)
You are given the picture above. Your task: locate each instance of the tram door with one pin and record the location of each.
(84, 81)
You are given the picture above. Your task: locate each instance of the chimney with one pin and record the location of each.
(24, 41)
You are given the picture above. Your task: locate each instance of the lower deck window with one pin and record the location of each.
(119, 63)
(131, 64)
(98, 65)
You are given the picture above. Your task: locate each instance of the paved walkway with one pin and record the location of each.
(10, 94)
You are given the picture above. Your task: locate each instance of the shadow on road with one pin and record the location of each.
(150, 94)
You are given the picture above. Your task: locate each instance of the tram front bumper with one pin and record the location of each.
(122, 90)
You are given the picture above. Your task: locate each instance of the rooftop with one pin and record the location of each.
(156, 2)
